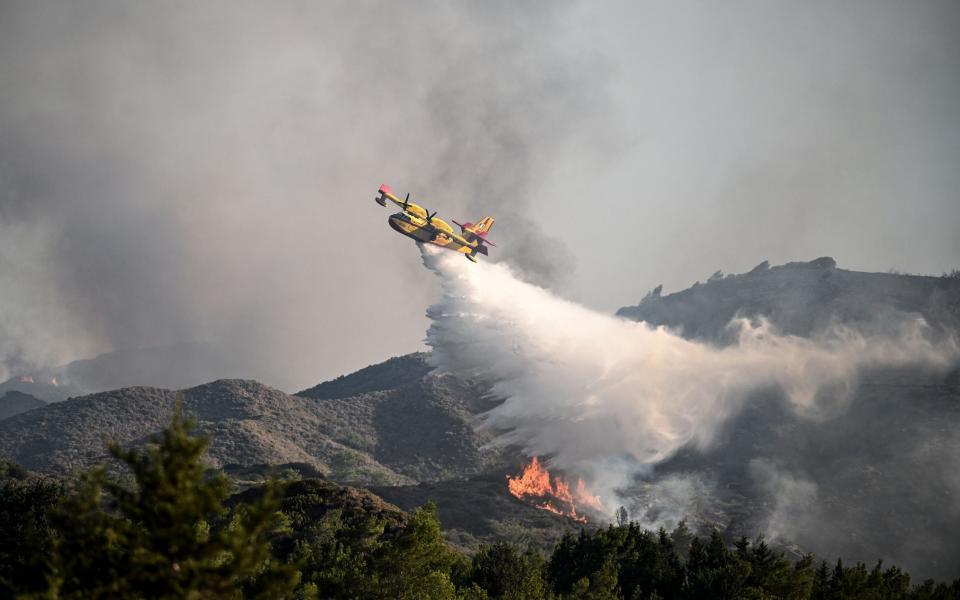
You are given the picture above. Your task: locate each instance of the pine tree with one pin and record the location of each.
(803, 577)
(601, 585)
(26, 536)
(821, 582)
(505, 573)
(416, 564)
(682, 538)
(836, 586)
(168, 535)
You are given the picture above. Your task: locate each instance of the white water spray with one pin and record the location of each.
(607, 398)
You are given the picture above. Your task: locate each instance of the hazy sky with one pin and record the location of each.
(206, 171)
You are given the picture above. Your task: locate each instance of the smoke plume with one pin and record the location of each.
(186, 173)
(794, 501)
(182, 171)
(607, 398)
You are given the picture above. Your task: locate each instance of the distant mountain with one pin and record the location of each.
(801, 298)
(419, 430)
(175, 366)
(247, 422)
(38, 386)
(13, 403)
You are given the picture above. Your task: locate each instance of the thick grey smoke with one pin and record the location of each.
(608, 398)
(182, 171)
(186, 172)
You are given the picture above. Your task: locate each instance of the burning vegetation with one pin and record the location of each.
(553, 494)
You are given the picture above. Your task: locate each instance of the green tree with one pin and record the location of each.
(333, 555)
(713, 572)
(26, 535)
(601, 585)
(503, 572)
(821, 582)
(168, 534)
(416, 564)
(682, 538)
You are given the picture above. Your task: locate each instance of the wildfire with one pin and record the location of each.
(30, 379)
(556, 497)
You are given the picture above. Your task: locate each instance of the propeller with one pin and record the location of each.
(430, 216)
(406, 201)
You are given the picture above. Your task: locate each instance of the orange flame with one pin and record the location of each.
(585, 497)
(555, 497)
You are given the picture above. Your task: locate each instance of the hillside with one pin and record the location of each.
(877, 480)
(247, 422)
(312, 499)
(473, 510)
(421, 425)
(13, 403)
(392, 373)
(419, 431)
(480, 510)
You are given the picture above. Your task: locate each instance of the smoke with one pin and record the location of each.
(33, 327)
(794, 499)
(184, 173)
(607, 398)
(666, 501)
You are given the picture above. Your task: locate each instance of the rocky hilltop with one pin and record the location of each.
(802, 298)
(392, 373)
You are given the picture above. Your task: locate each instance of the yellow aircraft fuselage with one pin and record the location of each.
(415, 222)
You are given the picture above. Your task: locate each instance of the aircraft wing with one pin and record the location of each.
(387, 194)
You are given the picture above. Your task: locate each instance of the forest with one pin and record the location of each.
(165, 526)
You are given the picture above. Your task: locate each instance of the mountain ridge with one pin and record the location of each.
(801, 298)
(13, 403)
(420, 431)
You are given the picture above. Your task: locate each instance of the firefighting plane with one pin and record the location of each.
(416, 222)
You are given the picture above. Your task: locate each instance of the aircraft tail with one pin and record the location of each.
(478, 230)
(483, 225)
